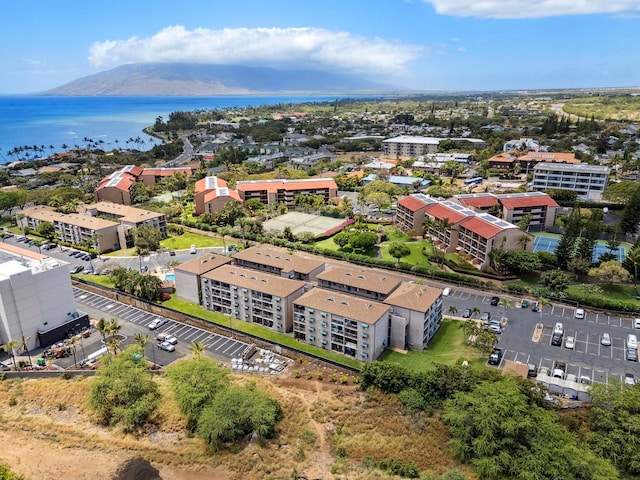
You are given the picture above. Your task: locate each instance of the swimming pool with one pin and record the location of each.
(170, 276)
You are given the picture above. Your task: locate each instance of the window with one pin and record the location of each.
(311, 310)
(364, 325)
(364, 354)
(311, 319)
(312, 338)
(244, 290)
(324, 333)
(365, 335)
(234, 287)
(323, 314)
(278, 316)
(324, 324)
(324, 342)
(312, 329)
(365, 345)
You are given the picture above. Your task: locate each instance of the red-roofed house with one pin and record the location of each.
(285, 191)
(118, 186)
(410, 212)
(212, 194)
(151, 176)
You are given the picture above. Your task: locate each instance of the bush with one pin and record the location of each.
(402, 468)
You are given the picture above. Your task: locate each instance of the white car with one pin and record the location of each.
(605, 339)
(570, 343)
(166, 337)
(579, 313)
(157, 323)
(166, 346)
(629, 379)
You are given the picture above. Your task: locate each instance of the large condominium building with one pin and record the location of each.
(278, 262)
(118, 187)
(285, 191)
(513, 207)
(74, 228)
(212, 194)
(151, 176)
(188, 278)
(508, 161)
(362, 282)
(411, 146)
(251, 296)
(588, 181)
(36, 299)
(454, 228)
(129, 218)
(415, 316)
(355, 327)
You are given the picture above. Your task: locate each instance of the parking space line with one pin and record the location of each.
(234, 343)
(214, 343)
(197, 339)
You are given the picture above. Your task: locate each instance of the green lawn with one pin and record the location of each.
(415, 257)
(616, 292)
(99, 279)
(262, 332)
(180, 242)
(448, 347)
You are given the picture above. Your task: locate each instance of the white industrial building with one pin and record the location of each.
(36, 299)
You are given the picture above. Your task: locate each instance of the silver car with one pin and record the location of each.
(605, 340)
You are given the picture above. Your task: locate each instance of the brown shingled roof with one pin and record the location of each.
(360, 278)
(203, 264)
(415, 297)
(254, 280)
(359, 309)
(274, 257)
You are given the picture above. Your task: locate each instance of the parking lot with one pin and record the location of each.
(588, 358)
(219, 346)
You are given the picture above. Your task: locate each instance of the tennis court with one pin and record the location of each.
(546, 244)
(303, 222)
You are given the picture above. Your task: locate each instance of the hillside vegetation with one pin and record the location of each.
(622, 107)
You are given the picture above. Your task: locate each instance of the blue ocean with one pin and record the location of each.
(51, 123)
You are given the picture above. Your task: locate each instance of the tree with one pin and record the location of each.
(195, 383)
(7, 474)
(236, 412)
(610, 272)
(362, 241)
(142, 341)
(197, 348)
(453, 311)
(502, 428)
(379, 199)
(614, 418)
(223, 232)
(631, 215)
(632, 262)
(555, 280)
(521, 261)
(146, 239)
(341, 239)
(579, 266)
(123, 392)
(102, 327)
(10, 348)
(398, 250)
(46, 230)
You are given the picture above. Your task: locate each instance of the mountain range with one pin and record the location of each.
(187, 79)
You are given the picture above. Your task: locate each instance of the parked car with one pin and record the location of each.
(167, 347)
(446, 292)
(532, 372)
(495, 357)
(77, 269)
(632, 354)
(558, 333)
(21, 238)
(636, 323)
(629, 379)
(497, 329)
(570, 342)
(167, 337)
(485, 317)
(466, 313)
(605, 339)
(559, 369)
(4, 367)
(157, 323)
(579, 313)
(495, 301)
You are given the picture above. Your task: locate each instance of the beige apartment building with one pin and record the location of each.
(74, 228)
(354, 327)
(251, 296)
(279, 262)
(212, 194)
(188, 278)
(285, 191)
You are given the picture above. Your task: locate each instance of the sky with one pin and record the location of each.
(417, 45)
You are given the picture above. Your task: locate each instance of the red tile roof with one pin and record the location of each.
(502, 158)
(213, 194)
(528, 201)
(440, 212)
(478, 202)
(273, 186)
(482, 228)
(124, 184)
(412, 203)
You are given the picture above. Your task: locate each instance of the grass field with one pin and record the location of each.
(448, 347)
(623, 107)
(179, 242)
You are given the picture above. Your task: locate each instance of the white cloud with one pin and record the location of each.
(532, 8)
(276, 47)
(31, 61)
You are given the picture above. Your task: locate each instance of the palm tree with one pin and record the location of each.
(114, 327)
(10, 347)
(72, 343)
(23, 347)
(114, 344)
(142, 341)
(223, 232)
(505, 303)
(102, 327)
(452, 310)
(197, 348)
(475, 311)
